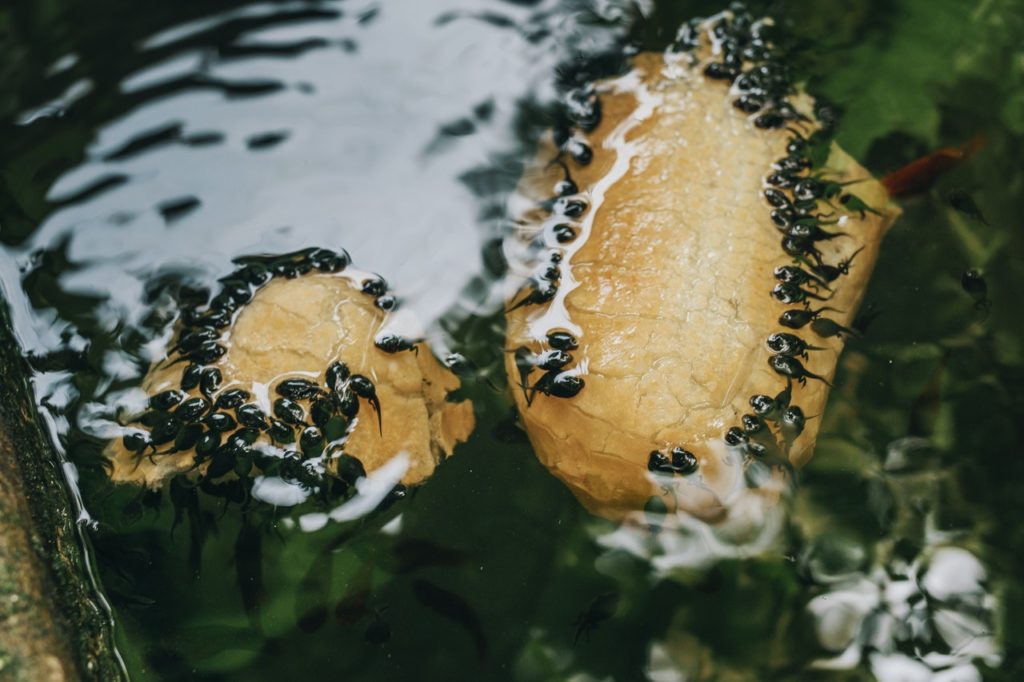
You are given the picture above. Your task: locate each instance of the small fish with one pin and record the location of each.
(454, 608)
(921, 174)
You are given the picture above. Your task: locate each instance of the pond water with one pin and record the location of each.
(143, 149)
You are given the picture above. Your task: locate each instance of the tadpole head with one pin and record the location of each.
(562, 341)
(566, 385)
(762, 404)
(684, 462)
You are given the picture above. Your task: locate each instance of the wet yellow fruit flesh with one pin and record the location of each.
(295, 328)
(667, 289)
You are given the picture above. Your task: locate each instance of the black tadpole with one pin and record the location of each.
(763, 405)
(565, 186)
(394, 343)
(797, 319)
(962, 201)
(557, 385)
(794, 369)
(786, 292)
(832, 272)
(790, 345)
(784, 396)
(297, 389)
(973, 282)
(364, 388)
(537, 292)
(562, 340)
(552, 359)
(827, 328)
(792, 274)
(336, 375)
(525, 365)
(855, 204)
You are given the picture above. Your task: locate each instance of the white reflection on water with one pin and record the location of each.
(915, 605)
(376, 127)
(366, 144)
(937, 606)
(370, 492)
(929, 616)
(680, 540)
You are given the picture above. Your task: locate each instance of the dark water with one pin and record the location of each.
(145, 146)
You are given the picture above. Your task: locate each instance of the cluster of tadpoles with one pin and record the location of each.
(746, 60)
(556, 381)
(678, 461)
(204, 317)
(222, 429)
(581, 110)
(222, 425)
(762, 86)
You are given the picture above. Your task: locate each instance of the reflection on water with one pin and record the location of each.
(279, 125)
(140, 156)
(923, 607)
(923, 620)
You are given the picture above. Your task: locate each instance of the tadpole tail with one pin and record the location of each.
(847, 183)
(820, 378)
(375, 404)
(849, 261)
(524, 301)
(821, 283)
(847, 330)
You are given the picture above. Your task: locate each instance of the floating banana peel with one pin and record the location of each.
(697, 270)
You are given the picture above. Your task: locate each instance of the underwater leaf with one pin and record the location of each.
(891, 79)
